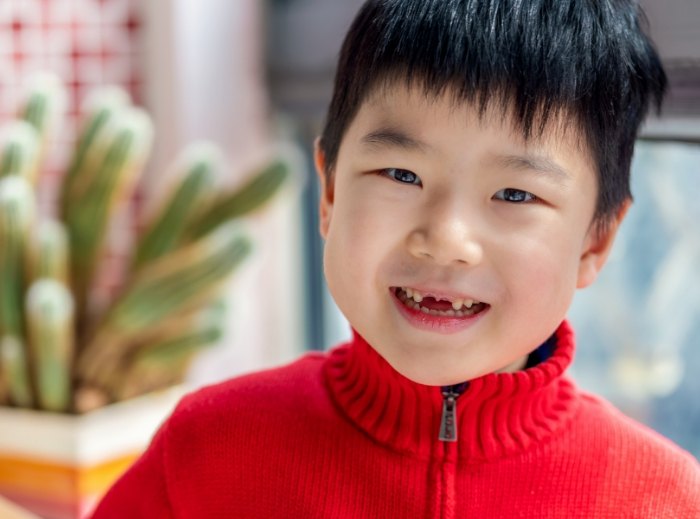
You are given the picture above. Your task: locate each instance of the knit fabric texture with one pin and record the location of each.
(343, 435)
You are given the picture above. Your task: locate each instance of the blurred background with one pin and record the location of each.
(255, 76)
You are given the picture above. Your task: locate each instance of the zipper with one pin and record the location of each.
(443, 503)
(448, 422)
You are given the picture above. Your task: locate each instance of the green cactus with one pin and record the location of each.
(243, 201)
(16, 215)
(172, 346)
(175, 349)
(180, 281)
(48, 254)
(45, 102)
(169, 355)
(100, 194)
(54, 353)
(43, 107)
(49, 310)
(101, 108)
(193, 184)
(15, 370)
(18, 155)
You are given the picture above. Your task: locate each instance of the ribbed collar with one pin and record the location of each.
(499, 414)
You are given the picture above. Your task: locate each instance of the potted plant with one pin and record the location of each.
(83, 386)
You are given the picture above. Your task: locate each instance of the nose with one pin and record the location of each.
(448, 233)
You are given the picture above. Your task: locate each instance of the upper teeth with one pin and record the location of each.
(457, 304)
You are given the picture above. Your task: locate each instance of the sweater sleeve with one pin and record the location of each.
(142, 491)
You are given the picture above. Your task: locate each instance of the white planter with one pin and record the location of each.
(59, 466)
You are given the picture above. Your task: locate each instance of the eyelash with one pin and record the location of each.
(522, 197)
(387, 172)
(519, 192)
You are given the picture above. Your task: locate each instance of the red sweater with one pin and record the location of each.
(343, 435)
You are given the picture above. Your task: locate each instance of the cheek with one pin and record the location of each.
(353, 245)
(543, 271)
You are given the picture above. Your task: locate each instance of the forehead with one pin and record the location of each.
(407, 104)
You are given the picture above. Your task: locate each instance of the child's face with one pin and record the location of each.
(426, 196)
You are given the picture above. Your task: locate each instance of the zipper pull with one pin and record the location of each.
(448, 423)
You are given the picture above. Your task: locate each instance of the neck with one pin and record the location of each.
(517, 365)
(495, 414)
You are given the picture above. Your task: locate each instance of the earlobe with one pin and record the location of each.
(326, 196)
(597, 247)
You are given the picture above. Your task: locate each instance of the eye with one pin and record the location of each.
(515, 196)
(401, 175)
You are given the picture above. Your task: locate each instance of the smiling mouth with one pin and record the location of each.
(438, 307)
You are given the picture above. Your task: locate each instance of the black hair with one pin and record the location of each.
(588, 59)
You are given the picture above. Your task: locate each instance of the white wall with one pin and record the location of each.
(205, 74)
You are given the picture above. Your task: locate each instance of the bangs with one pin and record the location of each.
(539, 56)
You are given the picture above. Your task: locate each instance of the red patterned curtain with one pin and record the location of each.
(86, 43)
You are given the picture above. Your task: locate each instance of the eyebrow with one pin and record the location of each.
(394, 138)
(391, 137)
(536, 163)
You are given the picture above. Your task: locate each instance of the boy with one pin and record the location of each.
(474, 170)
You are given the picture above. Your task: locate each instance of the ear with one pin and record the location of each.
(326, 203)
(597, 247)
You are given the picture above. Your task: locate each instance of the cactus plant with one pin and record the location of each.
(47, 253)
(15, 370)
(57, 355)
(49, 310)
(188, 278)
(100, 108)
(16, 215)
(168, 355)
(245, 200)
(19, 152)
(109, 182)
(193, 185)
(42, 109)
